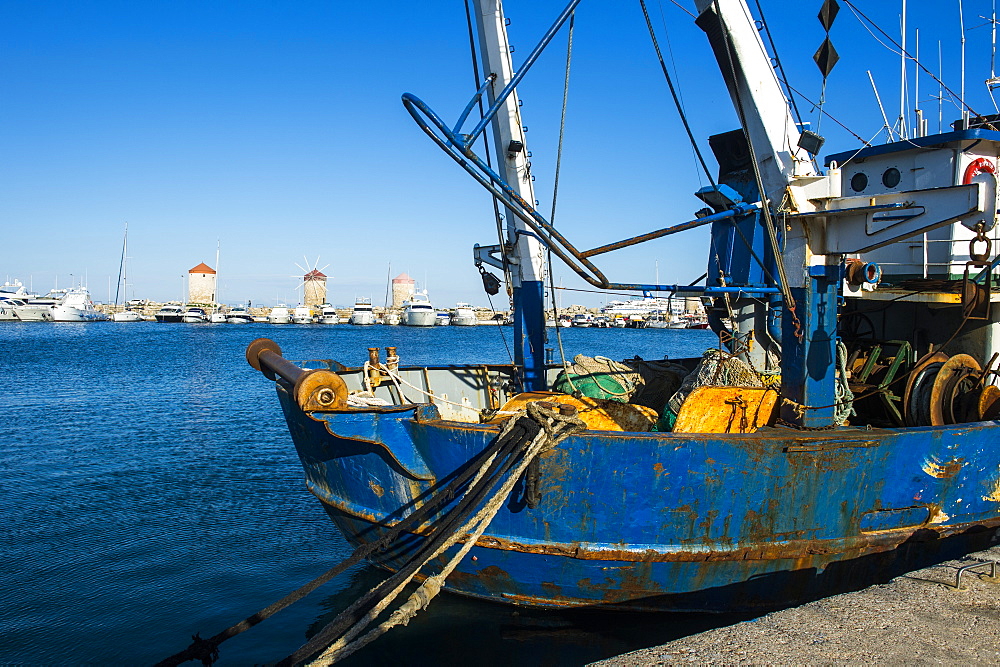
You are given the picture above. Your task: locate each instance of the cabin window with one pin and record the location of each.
(890, 178)
(859, 181)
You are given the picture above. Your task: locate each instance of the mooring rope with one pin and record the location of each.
(538, 422)
(512, 439)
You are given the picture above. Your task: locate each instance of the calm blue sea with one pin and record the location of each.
(150, 491)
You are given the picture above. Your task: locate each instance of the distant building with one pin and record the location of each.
(201, 284)
(314, 288)
(403, 287)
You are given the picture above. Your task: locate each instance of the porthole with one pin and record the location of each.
(890, 178)
(859, 181)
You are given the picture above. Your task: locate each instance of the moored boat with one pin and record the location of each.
(279, 315)
(845, 429)
(328, 315)
(239, 315)
(77, 306)
(195, 315)
(303, 315)
(418, 311)
(362, 314)
(170, 313)
(40, 309)
(464, 316)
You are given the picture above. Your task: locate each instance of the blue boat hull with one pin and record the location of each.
(662, 521)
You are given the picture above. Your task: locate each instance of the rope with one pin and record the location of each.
(555, 428)
(397, 379)
(206, 650)
(842, 390)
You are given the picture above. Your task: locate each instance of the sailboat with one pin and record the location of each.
(127, 314)
(844, 430)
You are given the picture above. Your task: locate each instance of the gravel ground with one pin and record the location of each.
(918, 618)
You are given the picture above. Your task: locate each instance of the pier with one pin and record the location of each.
(919, 617)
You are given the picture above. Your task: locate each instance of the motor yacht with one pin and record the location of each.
(442, 319)
(239, 315)
(279, 315)
(195, 315)
(418, 311)
(7, 306)
(583, 320)
(328, 315)
(464, 316)
(77, 306)
(40, 309)
(303, 315)
(170, 313)
(362, 313)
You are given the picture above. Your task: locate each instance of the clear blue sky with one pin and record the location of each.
(276, 129)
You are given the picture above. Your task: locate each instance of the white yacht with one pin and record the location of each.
(442, 319)
(195, 315)
(127, 315)
(328, 315)
(77, 306)
(362, 313)
(239, 315)
(279, 315)
(15, 290)
(170, 313)
(418, 311)
(303, 315)
(7, 306)
(583, 320)
(217, 317)
(40, 309)
(464, 316)
(391, 318)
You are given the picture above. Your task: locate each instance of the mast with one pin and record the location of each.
(525, 254)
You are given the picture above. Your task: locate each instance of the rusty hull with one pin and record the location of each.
(664, 521)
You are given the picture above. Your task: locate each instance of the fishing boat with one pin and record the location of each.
(362, 314)
(844, 430)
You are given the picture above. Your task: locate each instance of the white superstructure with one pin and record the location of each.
(40, 309)
(418, 311)
(362, 313)
(239, 315)
(303, 315)
(279, 315)
(194, 315)
(76, 306)
(464, 316)
(328, 315)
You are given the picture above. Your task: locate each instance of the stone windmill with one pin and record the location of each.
(313, 283)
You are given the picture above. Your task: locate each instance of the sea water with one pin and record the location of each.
(150, 490)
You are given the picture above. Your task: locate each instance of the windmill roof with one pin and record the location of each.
(315, 274)
(202, 268)
(402, 278)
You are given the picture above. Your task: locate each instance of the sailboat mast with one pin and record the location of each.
(528, 266)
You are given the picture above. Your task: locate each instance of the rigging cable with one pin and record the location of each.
(673, 94)
(555, 192)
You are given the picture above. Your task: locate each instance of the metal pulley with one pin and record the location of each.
(490, 282)
(976, 296)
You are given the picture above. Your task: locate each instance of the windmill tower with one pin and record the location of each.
(313, 284)
(201, 284)
(403, 287)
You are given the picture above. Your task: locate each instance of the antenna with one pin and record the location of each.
(919, 130)
(965, 110)
(885, 119)
(902, 74)
(940, 97)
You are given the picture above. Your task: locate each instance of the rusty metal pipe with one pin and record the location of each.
(312, 389)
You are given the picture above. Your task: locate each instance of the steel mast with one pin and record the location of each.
(524, 253)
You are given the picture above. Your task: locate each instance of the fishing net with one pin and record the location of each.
(647, 383)
(716, 369)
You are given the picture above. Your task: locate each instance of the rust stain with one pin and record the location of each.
(378, 490)
(658, 468)
(995, 495)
